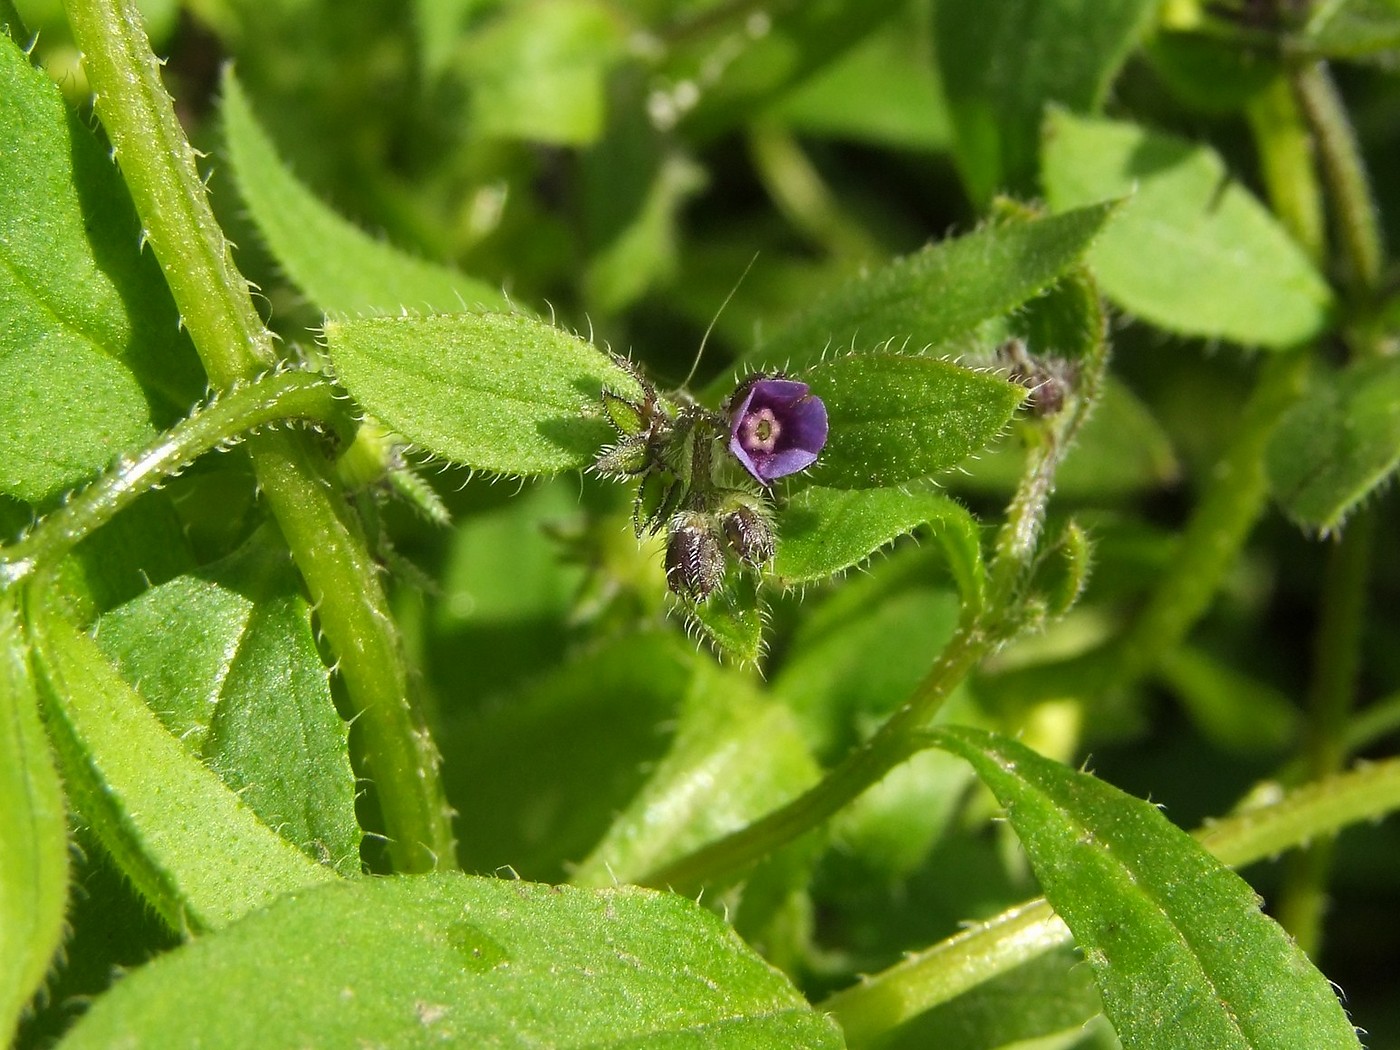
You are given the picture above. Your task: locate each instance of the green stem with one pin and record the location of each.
(1348, 186)
(1336, 661)
(158, 165)
(878, 1004)
(1233, 501)
(865, 766)
(275, 398)
(1287, 166)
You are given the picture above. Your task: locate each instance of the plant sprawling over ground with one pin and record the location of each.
(630, 523)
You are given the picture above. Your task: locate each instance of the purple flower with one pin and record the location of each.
(776, 427)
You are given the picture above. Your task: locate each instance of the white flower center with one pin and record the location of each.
(760, 430)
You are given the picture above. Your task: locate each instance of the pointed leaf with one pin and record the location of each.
(1167, 928)
(893, 418)
(825, 531)
(90, 347)
(1001, 63)
(1194, 252)
(228, 661)
(1337, 444)
(942, 293)
(191, 846)
(452, 960)
(336, 265)
(499, 392)
(730, 618)
(33, 834)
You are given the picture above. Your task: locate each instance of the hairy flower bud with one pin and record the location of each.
(749, 533)
(694, 557)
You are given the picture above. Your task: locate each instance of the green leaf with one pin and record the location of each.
(730, 618)
(499, 392)
(725, 69)
(336, 265)
(1234, 711)
(894, 418)
(228, 661)
(33, 834)
(538, 777)
(942, 293)
(538, 71)
(736, 756)
(191, 846)
(1194, 252)
(884, 91)
(1168, 929)
(1354, 28)
(91, 355)
(1338, 444)
(1001, 63)
(447, 959)
(823, 532)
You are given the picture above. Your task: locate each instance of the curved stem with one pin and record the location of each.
(326, 541)
(868, 1010)
(276, 398)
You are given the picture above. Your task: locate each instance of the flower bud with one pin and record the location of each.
(694, 557)
(749, 533)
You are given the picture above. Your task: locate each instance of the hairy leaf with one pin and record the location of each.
(499, 392)
(826, 531)
(1337, 444)
(1170, 932)
(447, 959)
(941, 294)
(91, 354)
(894, 418)
(228, 662)
(1001, 63)
(191, 846)
(1194, 252)
(336, 265)
(33, 834)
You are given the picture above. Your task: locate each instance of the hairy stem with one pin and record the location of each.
(868, 1010)
(1348, 187)
(158, 165)
(274, 398)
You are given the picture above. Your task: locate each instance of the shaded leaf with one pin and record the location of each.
(91, 353)
(336, 265)
(942, 293)
(736, 755)
(1193, 252)
(537, 778)
(193, 848)
(1337, 444)
(826, 531)
(228, 661)
(1160, 920)
(467, 962)
(499, 392)
(33, 834)
(1001, 63)
(1354, 28)
(538, 71)
(894, 418)
(730, 618)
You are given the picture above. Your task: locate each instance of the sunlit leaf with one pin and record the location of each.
(466, 962)
(1159, 919)
(499, 392)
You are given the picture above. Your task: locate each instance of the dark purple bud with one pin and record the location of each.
(749, 532)
(776, 427)
(694, 557)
